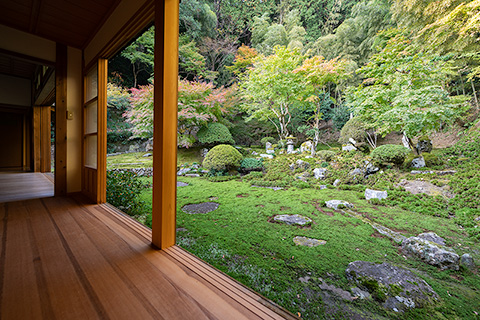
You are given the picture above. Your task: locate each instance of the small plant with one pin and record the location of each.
(123, 190)
(253, 175)
(214, 133)
(326, 155)
(222, 157)
(389, 153)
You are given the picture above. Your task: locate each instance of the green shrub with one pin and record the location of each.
(390, 153)
(300, 184)
(326, 155)
(355, 129)
(123, 190)
(253, 175)
(264, 141)
(251, 164)
(222, 157)
(221, 178)
(214, 133)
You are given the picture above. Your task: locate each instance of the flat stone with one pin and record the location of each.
(334, 204)
(374, 194)
(268, 156)
(356, 172)
(192, 175)
(182, 171)
(181, 184)
(147, 155)
(322, 186)
(308, 242)
(197, 208)
(396, 288)
(421, 172)
(336, 182)
(294, 219)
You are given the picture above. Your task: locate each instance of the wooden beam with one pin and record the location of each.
(165, 124)
(61, 121)
(102, 131)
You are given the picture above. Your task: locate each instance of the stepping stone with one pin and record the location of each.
(203, 207)
(335, 204)
(181, 184)
(375, 194)
(294, 219)
(308, 242)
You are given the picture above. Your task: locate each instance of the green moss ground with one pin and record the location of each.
(238, 239)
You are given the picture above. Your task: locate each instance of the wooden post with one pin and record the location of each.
(165, 124)
(61, 121)
(102, 131)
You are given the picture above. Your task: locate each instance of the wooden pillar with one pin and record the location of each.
(165, 124)
(102, 131)
(61, 120)
(41, 139)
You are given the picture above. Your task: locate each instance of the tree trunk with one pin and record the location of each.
(474, 94)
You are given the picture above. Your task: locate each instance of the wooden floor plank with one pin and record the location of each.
(113, 293)
(89, 262)
(68, 302)
(19, 283)
(24, 186)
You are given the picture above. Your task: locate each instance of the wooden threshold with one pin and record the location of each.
(62, 258)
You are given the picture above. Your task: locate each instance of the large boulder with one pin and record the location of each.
(418, 163)
(320, 173)
(431, 252)
(424, 145)
(396, 288)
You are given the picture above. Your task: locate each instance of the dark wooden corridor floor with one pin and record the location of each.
(61, 258)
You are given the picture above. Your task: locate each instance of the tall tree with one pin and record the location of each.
(140, 54)
(406, 91)
(271, 88)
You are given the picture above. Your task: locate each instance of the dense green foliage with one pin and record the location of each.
(390, 153)
(214, 133)
(251, 164)
(222, 158)
(123, 190)
(355, 129)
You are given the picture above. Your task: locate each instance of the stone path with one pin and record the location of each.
(197, 208)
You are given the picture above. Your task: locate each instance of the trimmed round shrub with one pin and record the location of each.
(214, 133)
(222, 157)
(264, 141)
(355, 129)
(326, 155)
(251, 164)
(390, 153)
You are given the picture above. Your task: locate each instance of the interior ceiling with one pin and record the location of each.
(70, 22)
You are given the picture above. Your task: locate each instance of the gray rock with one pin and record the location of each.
(183, 171)
(203, 207)
(349, 147)
(359, 293)
(446, 172)
(352, 141)
(421, 172)
(269, 156)
(467, 262)
(307, 146)
(308, 242)
(356, 172)
(374, 194)
(294, 219)
(424, 146)
(292, 166)
(418, 163)
(302, 165)
(433, 237)
(147, 155)
(336, 182)
(322, 186)
(203, 152)
(396, 288)
(370, 168)
(192, 175)
(431, 253)
(254, 153)
(269, 148)
(320, 173)
(273, 188)
(335, 204)
(181, 184)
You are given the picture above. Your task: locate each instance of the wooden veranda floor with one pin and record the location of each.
(25, 185)
(61, 258)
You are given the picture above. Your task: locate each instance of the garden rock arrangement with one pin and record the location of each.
(196, 208)
(430, 248)
(374, 194)
(141, 172)
(294, 219)
(338, 204)
(396, 288)
(308, 242)
(191, 171)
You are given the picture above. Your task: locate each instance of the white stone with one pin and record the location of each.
(269, 156)
(319, 173)
(307, 146)
(418, 162)
(374, 194)
(269, 148)
(348, 147)
(334, 204)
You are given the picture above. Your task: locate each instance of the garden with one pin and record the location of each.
(328, 152)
